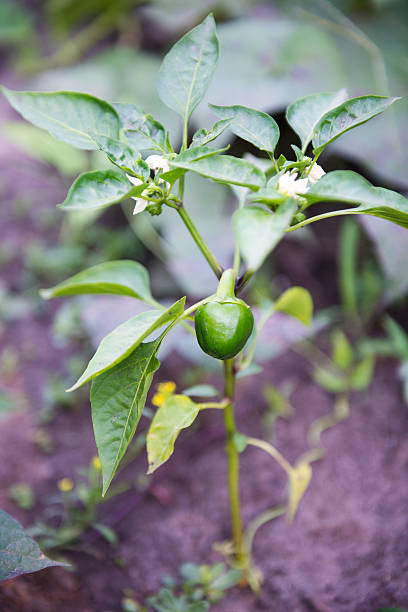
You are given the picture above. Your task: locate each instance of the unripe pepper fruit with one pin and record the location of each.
(224, 323)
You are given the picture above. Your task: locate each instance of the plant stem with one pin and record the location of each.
(241, 556)
(198, 239)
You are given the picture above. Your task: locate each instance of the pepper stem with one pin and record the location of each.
(226, 286)
(240, 553)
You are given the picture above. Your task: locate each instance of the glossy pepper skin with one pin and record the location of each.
(223, 326)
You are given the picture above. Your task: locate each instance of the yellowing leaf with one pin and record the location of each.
(175, 414)
(299, 479)
(296, 302)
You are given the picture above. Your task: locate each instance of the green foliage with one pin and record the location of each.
(123, 340)
(351, 188)
(23, 495)
(140, 128)
(202, 136)
(187, 69)
(346, 116)
(201, 586)
(305, 114)
(258, 231)
(253, 126)
(75, 509)
(19, 553)
(117, 277)
(296, 302)
(99, 189)
(225, 169)
(201, 391)
(15, 22)
(344, 372)
(67, 115)
(118, 397)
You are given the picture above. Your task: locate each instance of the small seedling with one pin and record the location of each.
(23, 495)
(202, 585)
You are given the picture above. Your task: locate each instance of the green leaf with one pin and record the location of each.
(74, 118)
(202, 137)
(177, 413)
(398, 336)
(201, 391)
(19, 553)
(140, 128)
(299, 479)
(189, 155)
(123, 340)
(296, 302)
(240, 441)
(331, 381)
(342, 351)
(346, 116)
(122, 277)
(188, 67)
(362, 374)
(225, 169)
(304, 114)
(117, 398)
(268, 195)
(99, 189)
(350, 187)
(392, 610)
(258, 231)
(125, 157)
(254, 126)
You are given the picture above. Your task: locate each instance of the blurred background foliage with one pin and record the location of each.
(272, 53)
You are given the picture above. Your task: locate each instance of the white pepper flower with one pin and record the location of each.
(290, 186)
(140, 202)
(157, 162)
(316, 172)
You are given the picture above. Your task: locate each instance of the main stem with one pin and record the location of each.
(233, 467)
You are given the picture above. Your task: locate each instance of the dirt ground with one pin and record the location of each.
(348, 547)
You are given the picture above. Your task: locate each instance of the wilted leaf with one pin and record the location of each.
(177, 413)
(299, 480)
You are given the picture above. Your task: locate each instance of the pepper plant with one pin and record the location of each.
(275, 198)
